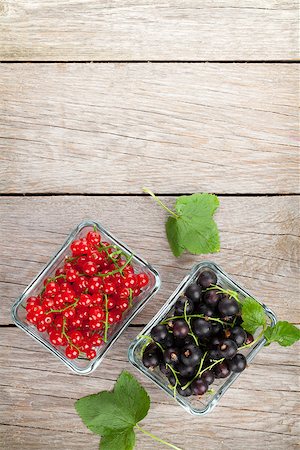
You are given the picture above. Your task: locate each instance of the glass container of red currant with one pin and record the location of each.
(196, 346)
(80, 303)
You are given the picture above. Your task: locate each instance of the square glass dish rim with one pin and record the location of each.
(165, 309)
(37, 279)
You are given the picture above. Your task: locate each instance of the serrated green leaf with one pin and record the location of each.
(118, 441)
(132, 396)
(191, 205)
(284, 333)
(194, 229)
(253, 315)
(118, 411)
(102, 413)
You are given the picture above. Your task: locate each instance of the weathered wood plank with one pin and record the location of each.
(35, 402)
(228, 128)
(148, 30)
(259, 236)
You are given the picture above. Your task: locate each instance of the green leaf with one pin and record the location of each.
(194, 228)
(113, 415)
(172, 231)
(284, 333)
(118, 441)
(253, 315)
(132, 396)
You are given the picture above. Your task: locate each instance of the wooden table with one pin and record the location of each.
(101, 98)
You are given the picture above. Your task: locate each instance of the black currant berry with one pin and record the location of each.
(216, 328)
(228, 307)
(171, 378)
(238, 363)
(208, 376)
(159, 333)
(202, 328)
(249, 339)
(191, 355)
(207, 278)
(227, 348)
(169, 341)
(171, 356)
(186, 371)
(206, 310)
(213, 354)
(184, 392)
(211, 298)
(180, 329)
(151, 360)
(186, 341)
(221, 370)
(239, 335)
(183, 304)
(199, 387)
(193, 291)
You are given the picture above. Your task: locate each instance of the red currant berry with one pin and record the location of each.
(58, 322)
(108, 287)
(91, 354)
(32, 301)
(76, 337)
(76, 322)
(72, 275)
(128, 270)
(90, 268)
(75, 247)
(68, 297)
(69, 313)
(52, 288)
(97, 299)
(83, 246)
(58, 300)
(85, 300)
(124, 293)
(114, 316)
(71, 352)
(123, 305)
(85, 346)
(56, 338)
(96, 325)
(136, 291)
(41, 327)
(31, 317)
(94, 285)
(95, 340)
(38, 311)
(81, 284)
(111, 303)
(95, 256)
(82, 312)
(82, 260)
(142, 280)
(93, 237)
(130, 281)
(48, 320)
(48, 303)
(96, 314)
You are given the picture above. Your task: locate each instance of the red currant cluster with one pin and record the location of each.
(89, 294)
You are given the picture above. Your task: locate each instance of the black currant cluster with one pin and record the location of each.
(201, 340)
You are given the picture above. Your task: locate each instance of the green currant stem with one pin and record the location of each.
(161, 203)
(174, 373)
(254, 342)
(64, 309)
(193, 316)
(198, 372)
(106, 319)
(229, 292)
(157, 438)
(119, 270)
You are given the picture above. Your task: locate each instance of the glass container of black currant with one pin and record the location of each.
(201, 345)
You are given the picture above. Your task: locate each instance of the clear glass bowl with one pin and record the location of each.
(194, 405)
(83, 366)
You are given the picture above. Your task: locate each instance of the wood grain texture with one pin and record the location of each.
(112, 128)
(37, 409)
(148, 30)
(259, 243)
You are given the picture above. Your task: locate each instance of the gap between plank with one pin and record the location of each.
(164, 194)
(142, 61)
